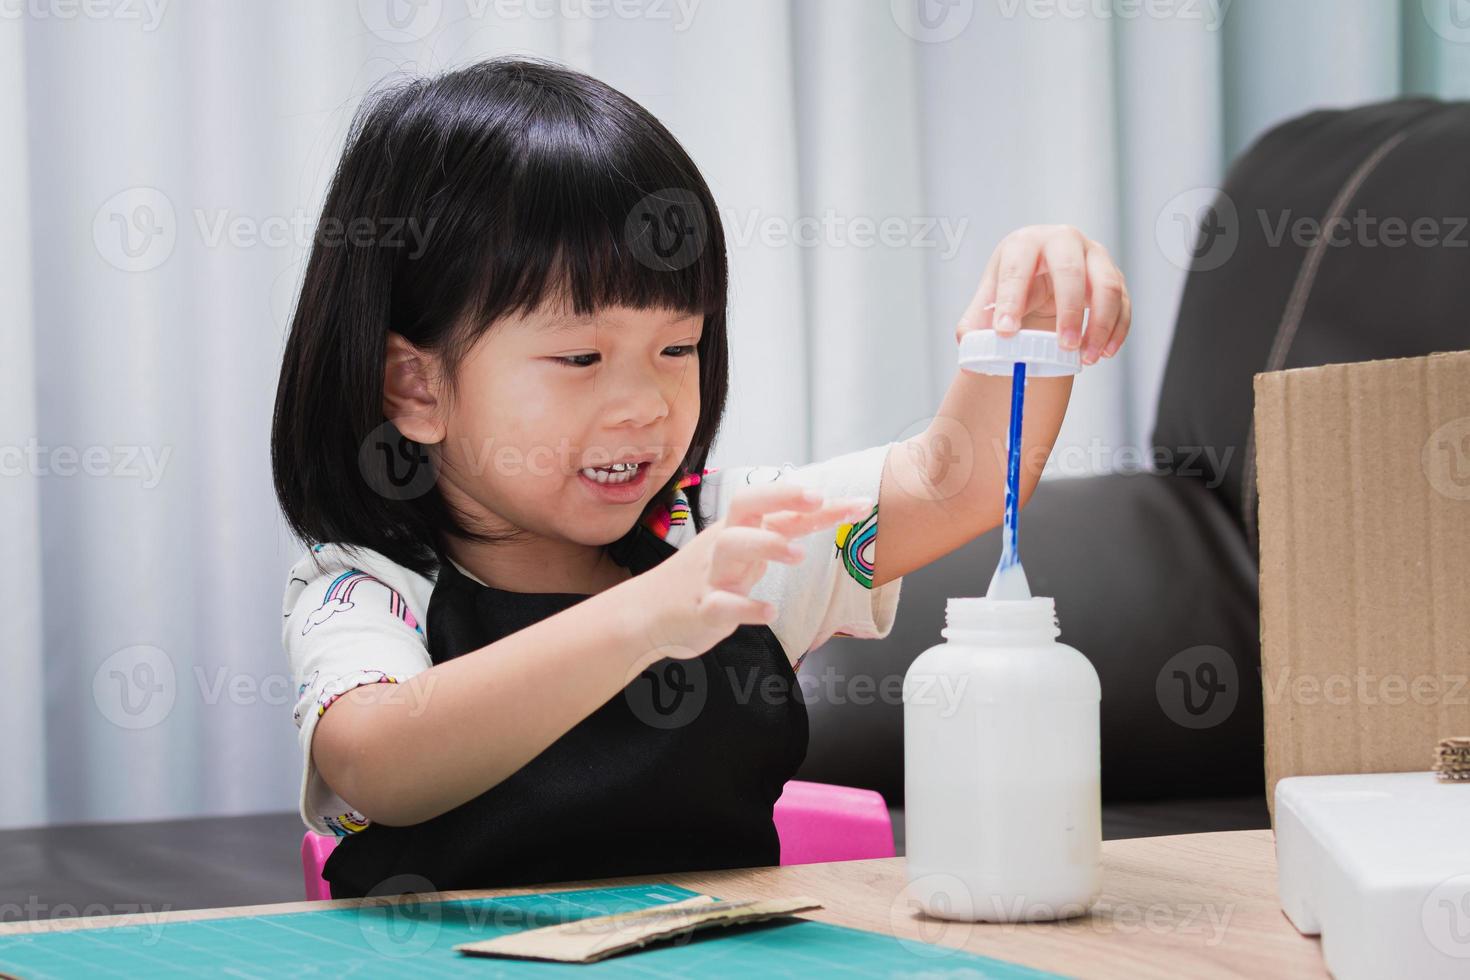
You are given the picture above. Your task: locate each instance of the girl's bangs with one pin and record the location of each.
(582, 233)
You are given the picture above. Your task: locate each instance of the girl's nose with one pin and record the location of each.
(640, 399)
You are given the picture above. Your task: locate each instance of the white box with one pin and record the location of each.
(1378, 865)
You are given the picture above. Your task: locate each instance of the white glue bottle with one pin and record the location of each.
(1002, 803)
(1002, 764)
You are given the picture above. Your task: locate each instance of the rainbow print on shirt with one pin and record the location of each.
(350, 822)
(338, 598)
(855, 544)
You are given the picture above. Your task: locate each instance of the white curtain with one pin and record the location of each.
(161, 162)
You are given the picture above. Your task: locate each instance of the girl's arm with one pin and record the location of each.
(404, 753)
(945, 486)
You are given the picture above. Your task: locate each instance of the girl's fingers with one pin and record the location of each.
(753, 544)
(728, 607)
(834, 511)
(1056, 267)
(751, 504)
(1125, 320)
(1105, 285)
(980, 314)
(1066, 262)
(738, 558)
(1015, 269)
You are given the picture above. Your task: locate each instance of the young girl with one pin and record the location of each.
(535, 638)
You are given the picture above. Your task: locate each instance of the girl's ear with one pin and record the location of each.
(411, 394)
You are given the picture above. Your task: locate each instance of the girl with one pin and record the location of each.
(535, 638)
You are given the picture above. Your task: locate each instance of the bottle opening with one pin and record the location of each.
(1035, 617)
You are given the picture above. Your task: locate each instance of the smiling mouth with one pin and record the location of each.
(615, 474)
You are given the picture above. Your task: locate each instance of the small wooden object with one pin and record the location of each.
(1452, 759)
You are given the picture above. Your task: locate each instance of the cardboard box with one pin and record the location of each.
(1363, 472)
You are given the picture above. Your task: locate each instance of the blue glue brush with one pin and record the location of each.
(1009, 580)
(1036, 351)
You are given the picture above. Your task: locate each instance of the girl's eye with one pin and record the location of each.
(579, 360)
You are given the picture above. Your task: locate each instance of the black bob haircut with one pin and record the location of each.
(527, 182)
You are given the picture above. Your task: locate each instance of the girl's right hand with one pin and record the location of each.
(698, 596)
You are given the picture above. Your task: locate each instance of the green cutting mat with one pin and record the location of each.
(381, 940)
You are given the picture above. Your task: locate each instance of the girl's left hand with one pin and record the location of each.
(1043, 277)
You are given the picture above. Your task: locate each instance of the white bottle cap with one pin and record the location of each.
(987, 352)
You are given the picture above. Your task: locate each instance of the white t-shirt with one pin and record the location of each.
(355, 617)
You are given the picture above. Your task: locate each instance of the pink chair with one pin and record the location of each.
(815, 821)
(821, 822)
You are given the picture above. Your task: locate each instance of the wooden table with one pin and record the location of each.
(1194, 905)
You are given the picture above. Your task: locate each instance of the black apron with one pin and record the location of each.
(678, 772)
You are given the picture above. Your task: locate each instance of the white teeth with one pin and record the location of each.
(616, 473)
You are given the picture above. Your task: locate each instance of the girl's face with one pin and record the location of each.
(545, 399)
